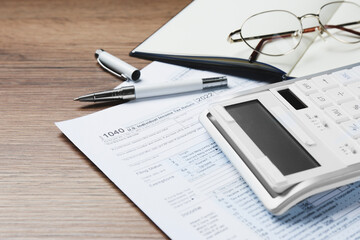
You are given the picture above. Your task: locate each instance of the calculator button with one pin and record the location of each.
(352, 127)
(340, 95)
(337, 114)
(353, 108)
(307, 87)
(324, 82)
(345, 77)
(355, 88)
(321, 100)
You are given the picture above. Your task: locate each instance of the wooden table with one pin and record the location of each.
(49, 189)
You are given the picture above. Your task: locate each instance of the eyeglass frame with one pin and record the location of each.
(321, 28)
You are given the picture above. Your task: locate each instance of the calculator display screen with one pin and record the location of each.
(282, 149)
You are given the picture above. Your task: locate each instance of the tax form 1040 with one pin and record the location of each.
(164, 160)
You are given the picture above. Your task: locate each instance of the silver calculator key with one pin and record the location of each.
(307, 87)
(352, 127)
(337, 114)
(340, 95)
(321, 100)
(324, 82)
(346, 78)
(353, 108)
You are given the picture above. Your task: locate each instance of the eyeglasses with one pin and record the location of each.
(279, 32)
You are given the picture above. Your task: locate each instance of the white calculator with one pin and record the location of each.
(292, 139)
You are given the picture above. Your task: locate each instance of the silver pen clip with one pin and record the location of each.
(116, 66)
(120, 75)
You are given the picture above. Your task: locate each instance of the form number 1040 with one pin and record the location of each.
(113, 133)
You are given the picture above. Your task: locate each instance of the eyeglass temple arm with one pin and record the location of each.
(341, 27)
(266, 36)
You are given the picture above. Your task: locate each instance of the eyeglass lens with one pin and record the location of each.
(341, 21)
(277, 32)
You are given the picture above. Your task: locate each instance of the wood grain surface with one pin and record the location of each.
(48, 188)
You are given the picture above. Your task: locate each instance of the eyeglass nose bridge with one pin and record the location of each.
(309, 15)
(319, 28)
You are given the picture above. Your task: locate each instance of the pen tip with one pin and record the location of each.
(86, 98)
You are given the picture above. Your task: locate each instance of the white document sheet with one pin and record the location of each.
(157, 152)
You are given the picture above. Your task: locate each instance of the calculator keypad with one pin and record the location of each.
(337, 98)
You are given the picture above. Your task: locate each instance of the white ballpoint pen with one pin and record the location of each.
(159, 89)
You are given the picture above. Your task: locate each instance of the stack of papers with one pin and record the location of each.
(157, 152)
